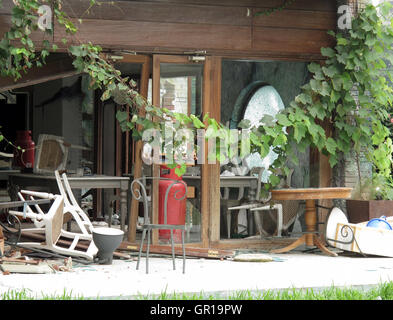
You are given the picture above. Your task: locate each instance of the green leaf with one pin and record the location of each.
(300, 132)
(331, 145)
(121, 116)
(283, 120)
(328, 52)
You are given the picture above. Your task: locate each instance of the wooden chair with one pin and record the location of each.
(71, 206)
(52, 222)
(138, 190)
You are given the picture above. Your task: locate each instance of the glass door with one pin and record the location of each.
(178, 86)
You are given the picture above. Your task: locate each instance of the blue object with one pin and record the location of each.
(379, 223)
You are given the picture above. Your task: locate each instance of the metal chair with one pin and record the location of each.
(138, 190)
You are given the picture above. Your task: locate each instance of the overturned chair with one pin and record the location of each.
(71, 206)
(49, 225)
(138, 190)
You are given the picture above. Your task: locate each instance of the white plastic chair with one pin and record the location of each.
(52, 223)
(258, 205)
(71, 206)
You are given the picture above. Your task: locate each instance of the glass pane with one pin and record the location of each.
(265, 101)
(181, 91)
(181, 87)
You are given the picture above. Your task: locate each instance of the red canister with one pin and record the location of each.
(24, 157)
(176, 203)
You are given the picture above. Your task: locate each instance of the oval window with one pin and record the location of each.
(264, 101)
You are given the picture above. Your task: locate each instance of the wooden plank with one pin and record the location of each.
(212, 253)
(143, 90)
(299, 41)
(155, 168)
(81, 245)
(159, 12)
(322, 5)
(110, 33)
(260, 244)
(316, 20)
(210, 184)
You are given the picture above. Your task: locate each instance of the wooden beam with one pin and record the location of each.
(143, 90)
(51, 71)
(321, 176)
(210, 184)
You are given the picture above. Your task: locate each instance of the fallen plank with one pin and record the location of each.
(19, 260)
(190, 251)
(61, 242)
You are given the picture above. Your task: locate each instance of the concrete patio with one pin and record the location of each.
(121, 280)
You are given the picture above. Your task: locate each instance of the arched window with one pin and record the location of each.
(255, 101)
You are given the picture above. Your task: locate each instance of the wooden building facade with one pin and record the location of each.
(156, 33)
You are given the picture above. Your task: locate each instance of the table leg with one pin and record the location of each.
(310, 238)
(298, 242)
(322, 247)
(123, 204)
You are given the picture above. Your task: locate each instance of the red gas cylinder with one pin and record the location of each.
(176, 209)
(24, 159)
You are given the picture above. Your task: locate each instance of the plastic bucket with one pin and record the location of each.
(379, 223)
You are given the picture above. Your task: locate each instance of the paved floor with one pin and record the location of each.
(122, 280)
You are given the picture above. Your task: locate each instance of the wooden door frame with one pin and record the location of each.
(144, 61)
(209, 182)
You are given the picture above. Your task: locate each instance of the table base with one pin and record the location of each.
(302, 240)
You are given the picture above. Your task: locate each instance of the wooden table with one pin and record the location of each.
(310, 237)
(78, 182)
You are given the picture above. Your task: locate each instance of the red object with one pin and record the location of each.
(176, 209)
(24, 159)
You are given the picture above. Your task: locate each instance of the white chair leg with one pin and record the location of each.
(279, 219)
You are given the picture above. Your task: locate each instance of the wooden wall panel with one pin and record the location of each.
(301, 19)
(220, 27)
(152, 34)
(290, 40)
(159, 12)
(320, 5)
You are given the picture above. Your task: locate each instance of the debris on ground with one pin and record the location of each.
(67, 267)
(24, 265)
(253, 257)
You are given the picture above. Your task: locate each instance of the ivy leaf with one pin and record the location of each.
(121, 116)
(283, 120)
(328, 52)
(300, 132)
(331, 145)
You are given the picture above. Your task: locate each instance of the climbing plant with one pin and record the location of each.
(351, 92)
(355, 64)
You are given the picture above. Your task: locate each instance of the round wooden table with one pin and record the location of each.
(310, 237)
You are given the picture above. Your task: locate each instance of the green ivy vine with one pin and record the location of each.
(355, 64)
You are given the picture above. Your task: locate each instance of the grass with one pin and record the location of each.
(383, 291)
